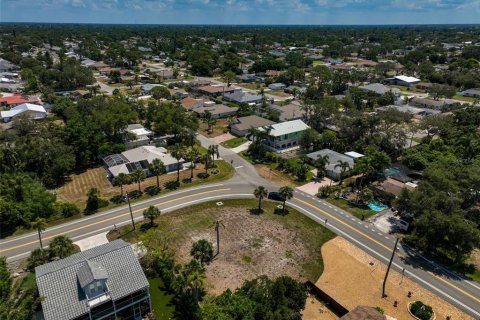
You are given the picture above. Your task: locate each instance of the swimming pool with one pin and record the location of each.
(377, 206)
(392, 171)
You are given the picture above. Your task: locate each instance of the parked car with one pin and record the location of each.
(275, 196)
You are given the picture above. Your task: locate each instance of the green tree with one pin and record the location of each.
(5, 280)
(192, 155)
(260, 192)
(93, 200)
(121, 180)
(178, 152)
(151, 213)
(37, 258)
(209, 120)
(137, 177)
(213, 151)
(320, 164)
(286, 193)
(344, 168)
(229, 77)
(40, 224)
(202, 250)
(366, 195)
(157, 168)
(160, 92)
(61, 247)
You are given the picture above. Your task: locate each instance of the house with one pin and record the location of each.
(6, 66)
(137, 136)
(285, 136)
(333, 160)
(15, 100)
(190, 103)
(33, 111)
(251, 78)
(139, 158)
(273, 73)
(243, 97)
(178, 94)
(277, 86)
(105, 282)
(424, 85)
(241, 126)
(289, 112)
(364, 313)
(215, 90)
(380, 89)
(166, 74)
(216, 110)
(354, 155)
(147, 88)
(474, 93)
(418, 113)
(402, 81)
(445, 104)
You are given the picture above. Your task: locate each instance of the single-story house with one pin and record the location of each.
(243, 97)
(166, 74)
(15, 100)
(418, 113)
(139, 158)
(251, 78)
(104, 282)
(190, 103)
(33, 111)
(217, 110)
(289, 112)
(285, 135)
(380, 89)
(241, 126)
(141, 134)
(6, 65)
(333, 160)
(474, 93)
(147, 88)
(402, 81)
(277, 86)
(178, 93)
(424, 85)
(215, 90)
(273, 73)
(444, 104)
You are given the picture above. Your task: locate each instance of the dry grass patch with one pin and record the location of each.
(219, 128)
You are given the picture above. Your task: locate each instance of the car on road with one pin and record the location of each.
(275, 196)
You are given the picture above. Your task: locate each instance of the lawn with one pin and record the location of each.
(359, 212)
(219, 128)
(161, 301)
(251, 243)
(466, 99)
(252, 86)
(235, 142)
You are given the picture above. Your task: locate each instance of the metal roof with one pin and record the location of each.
(91, 271)
(279, 129)
(59, 286)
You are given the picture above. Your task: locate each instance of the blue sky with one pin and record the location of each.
(319, 12)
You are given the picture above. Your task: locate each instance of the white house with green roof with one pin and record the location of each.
(285, 136)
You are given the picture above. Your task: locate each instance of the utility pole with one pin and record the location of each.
(217, 229)
(130, 208)
(388, 268)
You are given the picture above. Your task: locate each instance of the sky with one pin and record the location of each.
(283, 12)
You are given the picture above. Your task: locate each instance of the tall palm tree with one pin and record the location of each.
(157, 168)
(213, 151)
(320, 163)
(260, 192)
(40, 224)
(206, 159)
(192, 155)
(286, 193)
(344, 168)
(138, 176)
(61, 246)
(121, 180)
(209, 120)
(178, 152)
(195, 282)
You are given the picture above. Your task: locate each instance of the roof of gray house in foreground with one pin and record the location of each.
(59, 281)
(333, 158)
(91, 271)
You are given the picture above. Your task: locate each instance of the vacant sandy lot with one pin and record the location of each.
(253, 245)
(349, 278)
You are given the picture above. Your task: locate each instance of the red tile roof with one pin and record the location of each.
(13, 100)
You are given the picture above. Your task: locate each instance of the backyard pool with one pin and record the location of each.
(392, 171)
(377, 206)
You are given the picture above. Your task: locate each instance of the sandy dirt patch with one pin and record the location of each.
(222, 138)
(316, 310)
(350, 279)
(220, 128)
(277, 177)
(311, 188)
(250, 246)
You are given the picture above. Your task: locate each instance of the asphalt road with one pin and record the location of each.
(459, 291)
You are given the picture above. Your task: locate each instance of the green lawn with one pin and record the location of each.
(161, 301)
(475, 275)
(359, 212)
(235, 142)
(184, 221)
(462, 98)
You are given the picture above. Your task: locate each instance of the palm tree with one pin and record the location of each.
(195, 282)
(286, 193)
(260, 193)
(192, 154)
(206, 159)
(213, 151)
(40, 224)
(344, 168)
(320, 163)
(157, 168)
(209, 120)
(121, 180)
(151, 213)
(178, 152)
(61, 246)
(138, 176)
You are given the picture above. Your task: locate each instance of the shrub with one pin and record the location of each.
(69, 210)
(421, 310)
(152, 190)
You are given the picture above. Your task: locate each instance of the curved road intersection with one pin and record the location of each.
(459, 291)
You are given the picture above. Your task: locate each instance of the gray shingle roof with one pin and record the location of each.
(89, 272)
(59, 286)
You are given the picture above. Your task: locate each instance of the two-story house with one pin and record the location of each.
(105, 282)
(285, 136)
